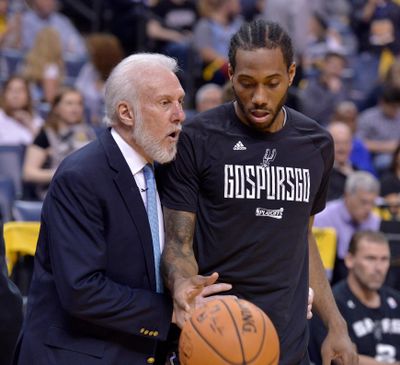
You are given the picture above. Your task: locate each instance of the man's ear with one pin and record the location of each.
(349, 261)
(125, 114)
(292, 73)
(230, 71)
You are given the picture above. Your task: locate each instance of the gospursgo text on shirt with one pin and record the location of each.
(271, 183)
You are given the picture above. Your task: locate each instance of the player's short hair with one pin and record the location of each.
(126, 78)
(261, 34)
(368, 235)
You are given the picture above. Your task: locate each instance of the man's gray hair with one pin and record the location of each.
(203, 90)
(126, 78)
(362, 180)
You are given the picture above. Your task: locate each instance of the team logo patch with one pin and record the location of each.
(268, 157)
(350, 304)
(239, 146)
(271, 213)
(392, 302)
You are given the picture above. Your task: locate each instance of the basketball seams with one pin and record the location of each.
(206, 345)
(263, 336)
(236, 328)
(213, 347)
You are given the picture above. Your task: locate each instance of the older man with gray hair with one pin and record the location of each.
(208, 96)
(349, 214)
(96, 295)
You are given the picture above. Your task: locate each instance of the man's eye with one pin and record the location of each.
(246, 84)
(273, 84)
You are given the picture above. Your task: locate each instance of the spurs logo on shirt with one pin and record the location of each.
(266, 182)
(268, 157)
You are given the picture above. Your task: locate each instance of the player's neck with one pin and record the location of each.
(370, 298)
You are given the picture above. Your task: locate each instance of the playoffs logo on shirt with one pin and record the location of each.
(272, 213)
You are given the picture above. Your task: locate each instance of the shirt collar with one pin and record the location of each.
(135, 161)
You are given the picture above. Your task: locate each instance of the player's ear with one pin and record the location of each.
(125, 114)
(292, 72)
(230, 71)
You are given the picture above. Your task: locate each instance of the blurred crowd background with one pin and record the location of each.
(56, 55)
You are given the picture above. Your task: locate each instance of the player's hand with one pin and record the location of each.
(310, 302)
(186, 291)
(337, 347)
(211, 292)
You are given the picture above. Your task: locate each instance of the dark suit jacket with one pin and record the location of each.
(92, 299)
(10, 310)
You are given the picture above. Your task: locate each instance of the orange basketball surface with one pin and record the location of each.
(229, 331)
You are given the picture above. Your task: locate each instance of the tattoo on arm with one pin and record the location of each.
(178, 259)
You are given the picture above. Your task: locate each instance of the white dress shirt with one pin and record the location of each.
(136, 162)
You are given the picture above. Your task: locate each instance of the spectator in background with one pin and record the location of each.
(208, 96)
(10, 310)
(293, 15)
(379, 127)
(44, 66)
(371, 309)
(170, 27)
(43, 14)
(64, 132)
(352, 213)
(250, 9)
(329, 88)
(9, 27)
(128, 23)
(342, 166)
(220, 19)
(320, 40)
(19, 122)
(390, 188)
(105, 52)
(346, 112)
(391, 77)
(376, 24)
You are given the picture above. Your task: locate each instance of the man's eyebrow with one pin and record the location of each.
(266, 77)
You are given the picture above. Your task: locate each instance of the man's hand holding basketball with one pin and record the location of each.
(191, 293)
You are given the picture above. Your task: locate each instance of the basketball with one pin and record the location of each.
(229, 331)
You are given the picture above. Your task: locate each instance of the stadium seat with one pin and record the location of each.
(20, 239)
(326, 243)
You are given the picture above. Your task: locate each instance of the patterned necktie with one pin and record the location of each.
(153, 220)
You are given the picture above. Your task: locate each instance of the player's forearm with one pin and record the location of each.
(178, 260)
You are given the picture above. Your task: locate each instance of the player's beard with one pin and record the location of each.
(152, 146)
(263, 127)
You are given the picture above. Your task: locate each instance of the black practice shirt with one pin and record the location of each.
(253, 194)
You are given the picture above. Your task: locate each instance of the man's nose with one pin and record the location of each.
(259, 96)
(178, 113)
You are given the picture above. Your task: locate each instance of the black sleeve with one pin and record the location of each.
(180, 182)
(327, 155)
(41, 140)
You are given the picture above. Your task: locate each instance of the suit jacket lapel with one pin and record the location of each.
(130, 193)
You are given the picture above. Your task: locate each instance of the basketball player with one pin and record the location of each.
(371, 309)
(241, 195)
